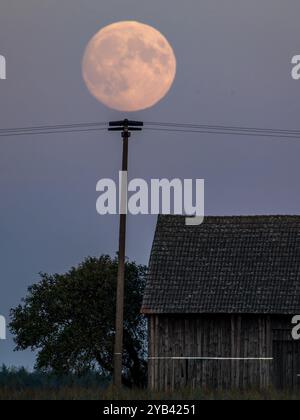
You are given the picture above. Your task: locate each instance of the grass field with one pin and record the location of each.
(19, 384)
(82, 393)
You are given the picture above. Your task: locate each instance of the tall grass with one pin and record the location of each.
(19, 384)
(81, 393)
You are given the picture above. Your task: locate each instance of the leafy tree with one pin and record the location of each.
(69, 320)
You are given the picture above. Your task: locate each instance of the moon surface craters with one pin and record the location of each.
(129, 66)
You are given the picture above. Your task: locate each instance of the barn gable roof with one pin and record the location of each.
(244, 264)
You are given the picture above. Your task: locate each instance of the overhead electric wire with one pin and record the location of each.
(155, 126)
(56, 126)
(52, 127)
(222, 127)
(27, 133)
(233, 133)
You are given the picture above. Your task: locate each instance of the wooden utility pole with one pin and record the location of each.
(125, 127)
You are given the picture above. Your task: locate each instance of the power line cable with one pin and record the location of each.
(27, 133)
(222, 127)
(155, 126)
(234, 133)
(53, 127)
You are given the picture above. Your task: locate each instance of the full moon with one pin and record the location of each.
(129, 66)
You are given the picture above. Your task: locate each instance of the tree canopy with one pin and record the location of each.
(69, 319)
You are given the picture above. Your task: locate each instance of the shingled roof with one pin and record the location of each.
(226, 265)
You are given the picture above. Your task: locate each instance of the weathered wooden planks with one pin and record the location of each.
(189, 337)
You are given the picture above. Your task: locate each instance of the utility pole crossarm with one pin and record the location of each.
(122, 129)
(125, 125)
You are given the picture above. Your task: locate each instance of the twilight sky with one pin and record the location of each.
(233, 59)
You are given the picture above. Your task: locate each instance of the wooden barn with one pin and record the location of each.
(220, 299)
